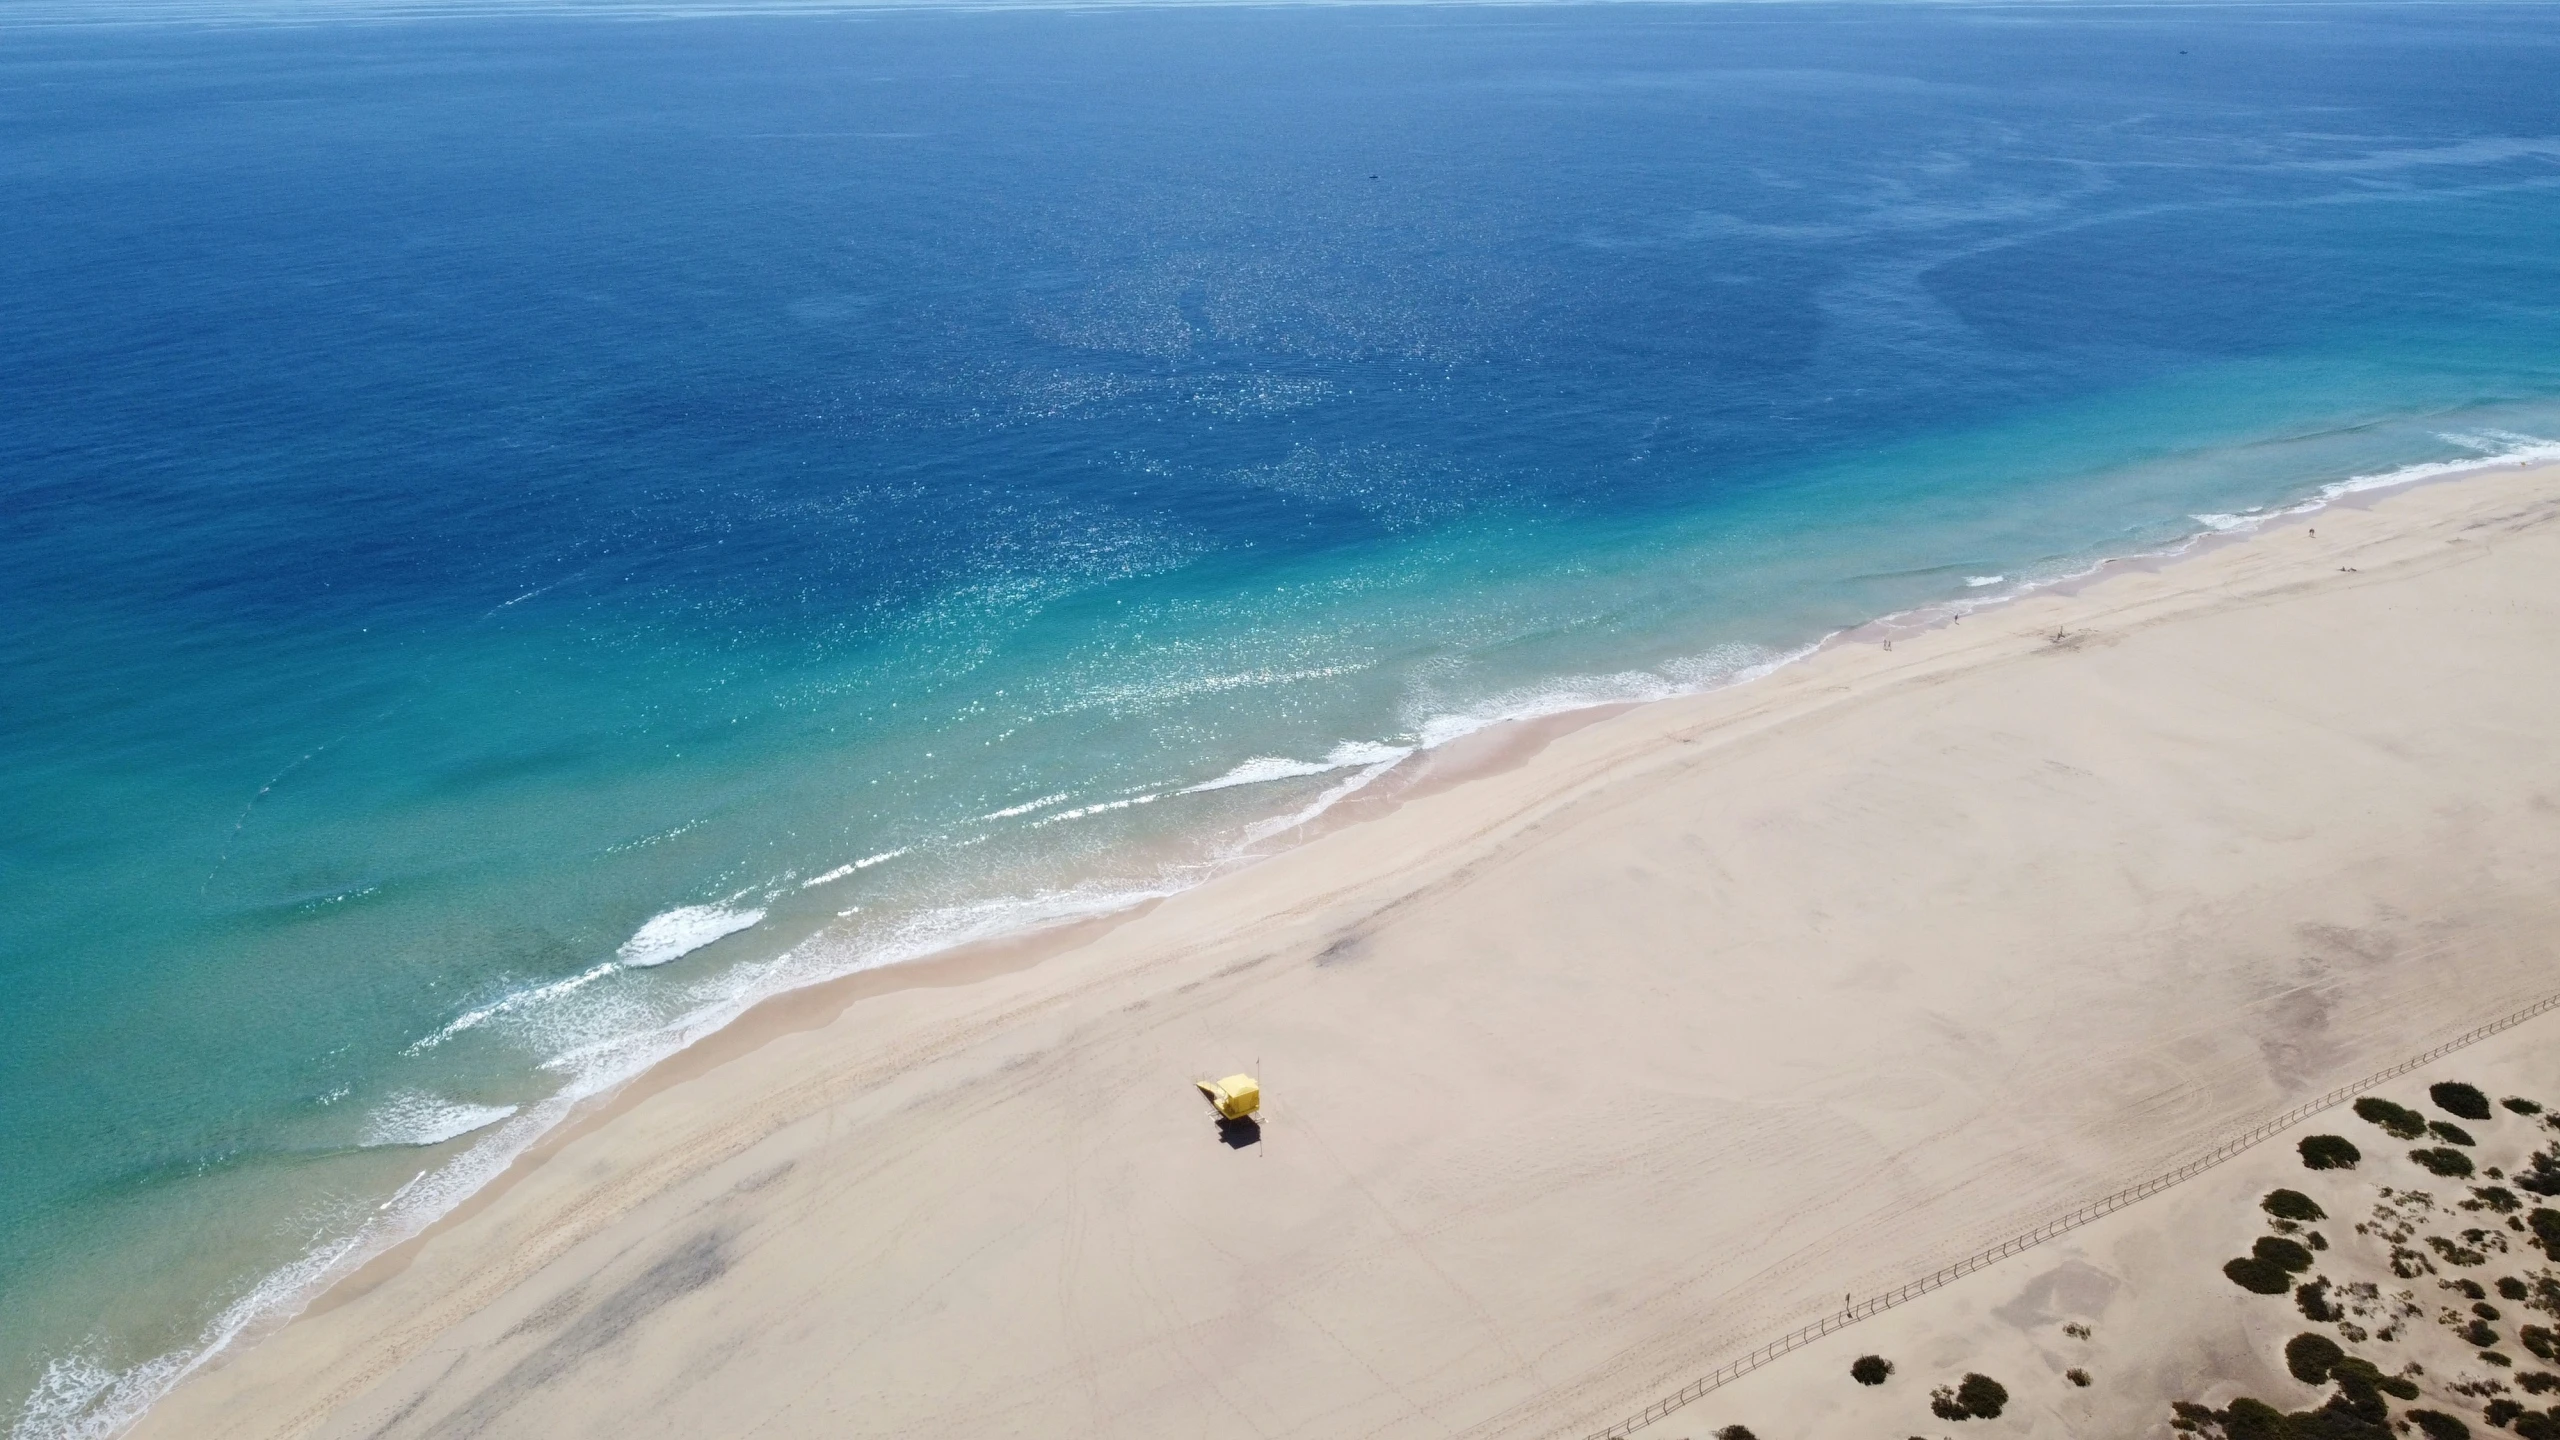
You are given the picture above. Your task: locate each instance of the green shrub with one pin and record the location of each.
(2357, 1373)
(2396, 1121)
(2450, 1133)
(2521, 1105)
(2537, 1382)
(2329, 1152)
(2077, 1376)
(2249, 1419)
(2311, 1297)
(2546, 1230)
(2496, 1197)
(2478, 1333)
(2292, 1205)
(2311, 1356)
(2511, 1288)
(2258, 1277)
(2437, 1425)
(2455, 1098)
(1944, 1404)
(1870, 1369)
(2537, 1425)
(1736, 1432)
(2452, 1164)
(2277, 1250)
(2541, 1175)
(2501, 1412)
(1981, 1396)
(2537, 1339)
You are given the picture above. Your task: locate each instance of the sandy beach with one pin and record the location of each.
(1595, 1054)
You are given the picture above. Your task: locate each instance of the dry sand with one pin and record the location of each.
(1584, 1075)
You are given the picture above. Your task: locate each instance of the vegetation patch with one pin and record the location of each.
(2455, 1098)
(2437, 1425)
(1975, 1397)
(2311, 1357)
(2545, 1224)
(2445, 1161)
(2270, 1267)
(2397, 1121)
(2521, 1105)
(2329, 1152)
(1870, 1369)
(2077, 1376)
(2292, 1205)
(2450, 1133)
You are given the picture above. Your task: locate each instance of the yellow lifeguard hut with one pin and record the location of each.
(1236, 1096)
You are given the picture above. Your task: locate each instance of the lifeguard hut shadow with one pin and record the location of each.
(1237, 1134)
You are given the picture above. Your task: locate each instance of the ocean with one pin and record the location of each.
(530, 528)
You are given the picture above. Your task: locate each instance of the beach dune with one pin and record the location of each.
(1583, 1072)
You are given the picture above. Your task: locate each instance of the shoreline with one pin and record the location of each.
(1504, 748)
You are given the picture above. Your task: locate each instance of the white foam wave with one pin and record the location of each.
(1025, 808)
(474, 1019)
(1711, 670)
(841, 871)
(416, 1118)
(1107, 805)
(1264, 769)
(2500, 447)
(1976, 582)
(681, 931)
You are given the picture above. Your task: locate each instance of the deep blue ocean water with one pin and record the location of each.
(506, 513)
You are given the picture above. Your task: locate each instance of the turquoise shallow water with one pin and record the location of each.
(530, 533)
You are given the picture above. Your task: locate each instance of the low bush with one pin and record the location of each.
(2277, 1250)
(2541, 1175)
(1736, 1432)
(2397, 1121)
(1982, 1396)
(2329, 1152)
(2495, 1197)
(2478, 1333)
(1870, 1369)
(2312, 1298)
(2511, 1288)
(2538, 1425)
(2537, 1382)
(2450, 1133)
(2538, 1339)
(2521, 1105)
(2455, 1098)
(2311, 1357)
(2077, 1376)
(2292, 1205)
(2257, 1276)
(2356, 1374)
(2545, 1224)
(2501, 1412)
(2437, 1425)
(2450, 1163)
